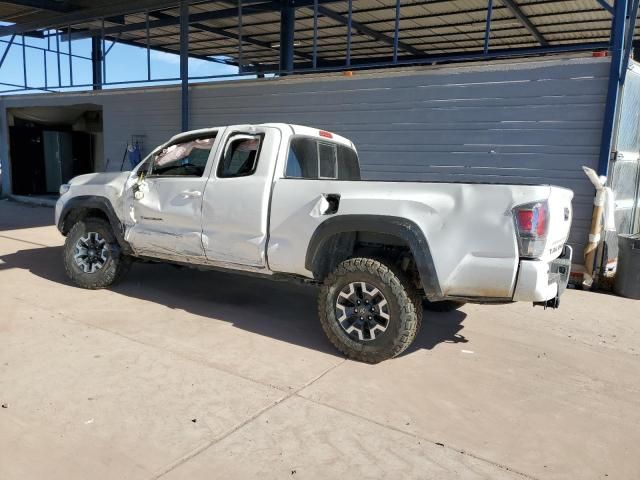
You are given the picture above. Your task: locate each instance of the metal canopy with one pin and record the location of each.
(297, 36)
(426, 28)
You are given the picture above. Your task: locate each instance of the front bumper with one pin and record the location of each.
(58, 212)
(540, 281)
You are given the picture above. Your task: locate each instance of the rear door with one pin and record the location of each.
(235, 209)
(166, 206)
(309, 192)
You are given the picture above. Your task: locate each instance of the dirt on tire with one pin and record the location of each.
(113, 270)
(404, 302)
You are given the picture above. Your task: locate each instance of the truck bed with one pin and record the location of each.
(469, 227)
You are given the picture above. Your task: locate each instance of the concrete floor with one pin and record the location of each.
(184, 374)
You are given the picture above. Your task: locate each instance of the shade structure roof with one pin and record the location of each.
(248, 31)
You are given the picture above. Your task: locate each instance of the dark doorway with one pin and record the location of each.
(28, 176)
(49, 146)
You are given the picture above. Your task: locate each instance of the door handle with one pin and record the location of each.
(191, 193)
(333, 203)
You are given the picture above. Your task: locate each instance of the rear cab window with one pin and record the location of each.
(240, 156)
(314, 158)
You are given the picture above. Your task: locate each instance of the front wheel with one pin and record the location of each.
(368, 310)
(92, 257)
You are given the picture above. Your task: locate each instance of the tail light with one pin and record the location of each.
(532, 223)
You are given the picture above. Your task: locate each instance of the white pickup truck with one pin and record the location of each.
(286, 201)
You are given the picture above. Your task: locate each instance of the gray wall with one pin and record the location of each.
(530, 122)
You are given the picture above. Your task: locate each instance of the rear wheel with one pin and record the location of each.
(368, 310)
(92, 257)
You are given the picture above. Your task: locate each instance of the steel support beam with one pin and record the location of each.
(169, 20)
(103, 10)
(287, 30)
(173, 52)
(315, 34)
(24, 63)
(381, 62)
(381, 37)
(21, 88)
(396, 32)
(516, 12)
(240, 59)
(216, 31)
(70, 60)
(58, 58)
(44, 5)
(628, 42)
(104, 55)
(349, 31)
(617, 49)
(248, 8)
(4, 55)
(96, 62)
(184, 63)
(44, 60)
(487, 29)
(605, 5)
(119, 19)
(147, 47)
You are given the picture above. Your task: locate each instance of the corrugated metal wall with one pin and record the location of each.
(530, 122)
(624, 171)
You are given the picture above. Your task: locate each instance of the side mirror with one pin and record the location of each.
(140, 186)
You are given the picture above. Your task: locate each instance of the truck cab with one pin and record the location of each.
(205, 196)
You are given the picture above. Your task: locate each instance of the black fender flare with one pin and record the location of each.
(94, 202)
(402, 228)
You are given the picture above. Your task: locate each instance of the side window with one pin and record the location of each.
(310, 158)
(187, 159)
(303, 158)
(328, 160)
(348, 164)
(144, 166)
(240, 157)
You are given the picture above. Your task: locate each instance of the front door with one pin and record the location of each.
(165, 203)
(235, 210)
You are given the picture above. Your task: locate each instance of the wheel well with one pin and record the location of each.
(81, 213)
(344, 245)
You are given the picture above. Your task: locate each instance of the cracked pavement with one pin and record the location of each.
(178, 373)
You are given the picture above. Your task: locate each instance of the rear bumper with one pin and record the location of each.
(540, 281)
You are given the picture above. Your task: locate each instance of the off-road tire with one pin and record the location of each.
(404, 308)
(443, 306)
(115, 267)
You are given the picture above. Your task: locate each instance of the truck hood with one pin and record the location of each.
(115, 179)
(110, 185)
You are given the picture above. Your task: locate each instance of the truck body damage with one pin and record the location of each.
(286, 200)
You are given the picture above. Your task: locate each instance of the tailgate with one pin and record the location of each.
(560, 217)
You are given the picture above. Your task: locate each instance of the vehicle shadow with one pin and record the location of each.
(281, 310)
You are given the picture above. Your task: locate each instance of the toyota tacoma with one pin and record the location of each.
(287, 202)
